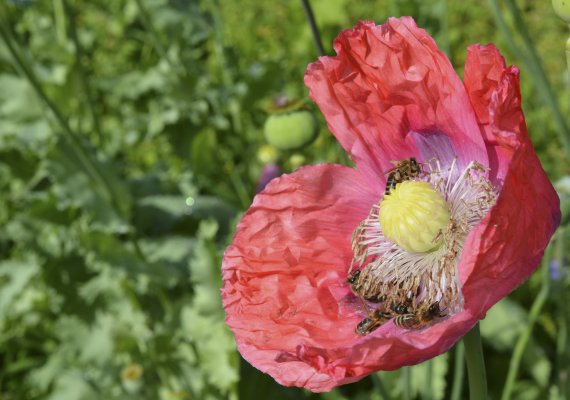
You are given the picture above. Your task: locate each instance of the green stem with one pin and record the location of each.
(562, 349)
(81, 71)
(475, 364)
(407, 378)
(239, 187)
(158, 46)
(69, 136)
(523, 340)
(427, 392)
(459, 372)
(314, 28)
(379, 386)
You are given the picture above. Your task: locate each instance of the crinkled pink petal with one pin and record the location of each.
(285, 291)
(484, 69)
(507, 246)
(386, 82)
(285, 271)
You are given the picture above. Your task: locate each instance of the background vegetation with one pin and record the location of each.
(131, 139)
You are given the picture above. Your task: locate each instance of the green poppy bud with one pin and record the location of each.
(267, 154)
(562, 8)
(293, 130)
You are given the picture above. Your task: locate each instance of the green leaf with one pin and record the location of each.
(203, 152)
(215, 347)
(503, 324)
(21, 107)
(107, 249)
(14, 277)
(75, 183)
(71, 385)
(428, 378)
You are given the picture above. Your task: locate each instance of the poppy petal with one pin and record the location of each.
(484, 69)
(286, 269)
(507, 246)
(386, 82)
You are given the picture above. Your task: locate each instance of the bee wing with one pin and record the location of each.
(395, 167)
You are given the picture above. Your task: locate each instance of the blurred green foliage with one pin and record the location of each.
(131, 138)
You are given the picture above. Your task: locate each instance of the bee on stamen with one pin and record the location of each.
(403, 170)
(376, 319)
(420, 319)
(354, 277)
(401, 308)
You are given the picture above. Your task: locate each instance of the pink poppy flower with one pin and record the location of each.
(389, 94)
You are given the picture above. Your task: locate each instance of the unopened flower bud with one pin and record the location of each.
(292, 130)
(562, 8)
(296, 160)
(414, 216)
(267, 154)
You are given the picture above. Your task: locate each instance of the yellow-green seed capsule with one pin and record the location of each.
(267, 154)
(562, 8)
(292, 130)
(414, 216)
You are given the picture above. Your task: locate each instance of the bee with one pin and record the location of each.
(352, 279)
(402, 171)
(376, 319)
(357, 288)
(421, 318)
(401, 308)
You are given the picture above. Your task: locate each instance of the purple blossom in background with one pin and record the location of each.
(268, 172)
(554, 270)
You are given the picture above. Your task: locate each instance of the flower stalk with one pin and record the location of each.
(313, 25)
(84, 79)
(68, 135)
(475, 364)
(523, 340)
(459, 371)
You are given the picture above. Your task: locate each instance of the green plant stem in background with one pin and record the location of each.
(525, 336)
(562, 350)
(428, 390)
(156, 42)
(407, 378)
(475, 364)
(379, 387)
(314, 28)
(69, 136)
(459, 372)
(79, 55)
(533, 63)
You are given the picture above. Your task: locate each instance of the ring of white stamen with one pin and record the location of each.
(390, 274)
